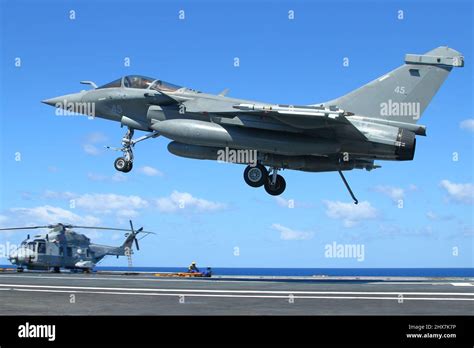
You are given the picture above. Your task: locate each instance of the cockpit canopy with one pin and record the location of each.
(141, 82)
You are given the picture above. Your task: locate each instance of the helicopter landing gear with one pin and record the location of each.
(56, 270)
(20, 269)
(125, 163)
(256, 176)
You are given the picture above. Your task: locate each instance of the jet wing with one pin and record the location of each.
(307, 118)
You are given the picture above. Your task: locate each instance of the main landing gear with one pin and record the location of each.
(274, 184)
(125, 163)
(258, 175)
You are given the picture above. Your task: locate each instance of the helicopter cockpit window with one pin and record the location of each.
(113, 84)
(136, 81)
(41, 248)
(31, 246)
(159, 85)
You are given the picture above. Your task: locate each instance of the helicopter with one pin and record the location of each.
(62, 248)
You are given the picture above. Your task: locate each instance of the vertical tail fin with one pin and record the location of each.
(404, 93)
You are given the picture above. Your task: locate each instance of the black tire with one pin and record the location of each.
(256, 176)
(278, 188)
(120, 164)
(128, 167)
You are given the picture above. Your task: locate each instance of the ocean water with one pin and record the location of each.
(401, 272)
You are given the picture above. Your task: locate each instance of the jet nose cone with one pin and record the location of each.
(65, 100)
(71, 104)
(52, 101)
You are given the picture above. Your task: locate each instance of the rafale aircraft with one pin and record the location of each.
(378, 121)
(61, 247)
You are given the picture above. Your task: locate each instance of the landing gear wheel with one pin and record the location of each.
(256, 176)
(122, 165)
(20, 269)
(277, 188)
(56, 270)
(128, 167)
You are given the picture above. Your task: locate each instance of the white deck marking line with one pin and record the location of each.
(239, 291)
(443, 282)
(203, 280)
(462, 284)
(254, 296)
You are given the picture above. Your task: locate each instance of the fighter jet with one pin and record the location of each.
(378, 121)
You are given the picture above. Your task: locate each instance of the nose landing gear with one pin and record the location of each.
(125, 163)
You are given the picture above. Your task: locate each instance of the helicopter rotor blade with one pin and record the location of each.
(100, 228)
(136, 243)
(106, 228)
(76, 226)
(24, 228)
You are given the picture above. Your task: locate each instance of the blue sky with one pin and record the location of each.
(224, 222)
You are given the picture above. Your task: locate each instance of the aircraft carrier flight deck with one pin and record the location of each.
(34, 293)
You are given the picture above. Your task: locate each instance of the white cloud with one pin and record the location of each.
(117, 177)
(92, 139)
(96, 137)
(129, 206)
(91, 149)
(3, 220)
(289, 234)
(467, 124)
(51, 215)
(96, 177)
(150, 171)
(431, 215)
(350, 214)
(285, 203)
(126, 213)
(462, 193)
(116, 236)
(58, 195)
(291, 203)
(111, 203)
(395, 193)
(183, 200)
(434, 216)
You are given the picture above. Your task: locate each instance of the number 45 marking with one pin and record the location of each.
(400, 89)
